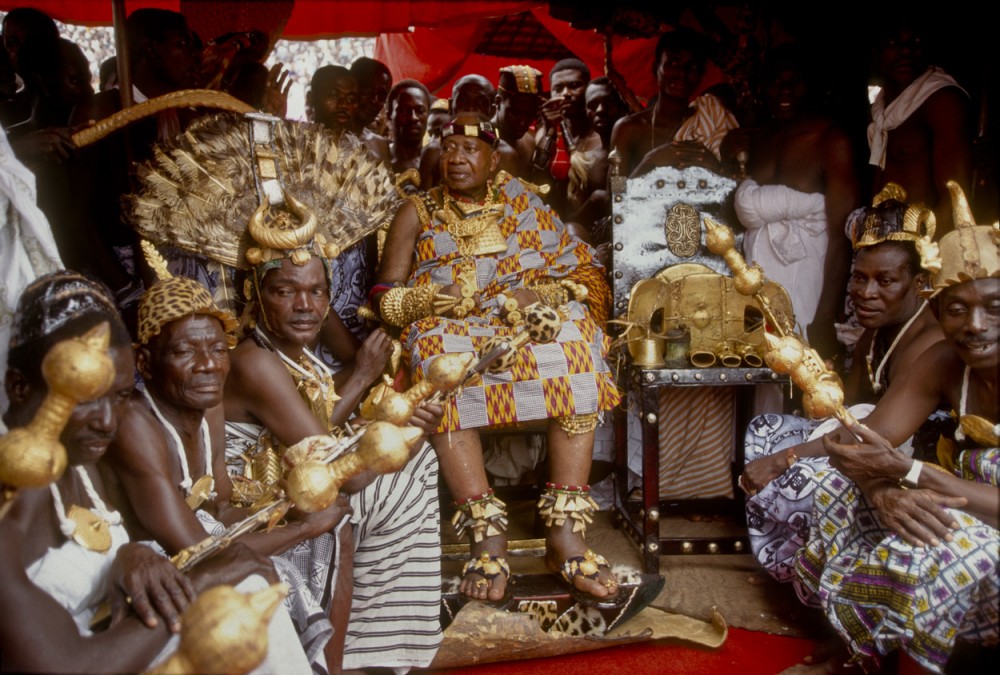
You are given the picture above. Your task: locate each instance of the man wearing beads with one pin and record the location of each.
(900, 555)
(65, 548)
(885, 283)
(485, 248)
(170, 462)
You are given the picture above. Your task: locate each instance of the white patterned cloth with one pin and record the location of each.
(27, 247)
(395, 612)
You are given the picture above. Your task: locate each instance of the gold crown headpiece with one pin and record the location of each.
(968, 252)
(172, 298)
(892, 218)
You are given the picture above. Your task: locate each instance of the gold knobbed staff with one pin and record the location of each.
(224, 631)
(78, 369)
(786, 354)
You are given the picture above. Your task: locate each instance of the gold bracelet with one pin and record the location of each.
(402, 306)
(579, 291)
(551, 294)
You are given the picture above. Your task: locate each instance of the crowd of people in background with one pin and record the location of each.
(503, 188)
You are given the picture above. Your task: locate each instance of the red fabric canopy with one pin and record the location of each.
(429, 40)
(439, 56)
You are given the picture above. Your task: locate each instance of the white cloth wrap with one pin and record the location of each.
(787, 235)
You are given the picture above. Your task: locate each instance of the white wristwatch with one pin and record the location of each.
(909, 481)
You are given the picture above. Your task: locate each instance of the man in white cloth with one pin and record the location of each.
(66, 549)
(27, 248)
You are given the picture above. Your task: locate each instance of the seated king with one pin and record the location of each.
(462, 264)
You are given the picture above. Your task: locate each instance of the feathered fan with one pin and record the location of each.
(198, 191)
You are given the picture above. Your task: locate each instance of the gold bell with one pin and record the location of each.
(648, 352)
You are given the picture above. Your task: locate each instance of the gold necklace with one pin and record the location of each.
(474, 227)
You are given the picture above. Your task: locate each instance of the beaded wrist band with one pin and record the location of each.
(484, 515)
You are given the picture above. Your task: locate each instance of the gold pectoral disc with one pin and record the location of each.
(92, 532)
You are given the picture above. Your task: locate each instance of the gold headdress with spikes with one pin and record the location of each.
(251, 190)
(892, 218)
(172, 298)
(970, 251)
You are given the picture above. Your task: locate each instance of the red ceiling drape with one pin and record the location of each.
(429, 40)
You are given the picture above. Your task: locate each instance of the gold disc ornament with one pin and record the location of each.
(201, 491)
(92, 532)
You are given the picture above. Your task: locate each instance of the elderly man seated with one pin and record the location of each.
(903, 554)
(169, 460)
(491, 248)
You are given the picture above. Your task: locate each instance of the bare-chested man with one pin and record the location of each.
(408, 105)
(903, 555)
(374, 83)
(588, 203)
(333, 96)
(800, 189)
(170, 462)
(885, 284)
(676, 131)
(278, 391)
(52, 582)
(921, 135)
(518, 97)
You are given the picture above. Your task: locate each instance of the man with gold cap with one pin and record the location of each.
(886, 280)
(283, 200)
(904, 555)
(519, 95)
(170, 462)
(66, 549)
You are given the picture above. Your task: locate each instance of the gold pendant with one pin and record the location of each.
(92, 532)
(200, 492)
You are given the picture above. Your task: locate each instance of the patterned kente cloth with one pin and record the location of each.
(566, 377)
(882, 594)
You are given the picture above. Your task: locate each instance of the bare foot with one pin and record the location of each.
(561, 545)
(759, 578)
(478, 586)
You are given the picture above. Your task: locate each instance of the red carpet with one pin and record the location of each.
(744, 652)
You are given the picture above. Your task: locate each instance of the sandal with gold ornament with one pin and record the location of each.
(561, 503)
(484, 516)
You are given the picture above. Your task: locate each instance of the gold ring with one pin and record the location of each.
(610, 583)
(481, 583)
